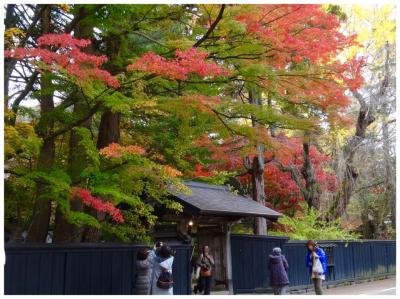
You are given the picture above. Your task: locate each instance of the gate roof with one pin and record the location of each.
(213, 200)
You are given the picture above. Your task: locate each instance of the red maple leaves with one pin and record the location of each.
(190, 61)
(115, 150)
(295, 31)
(63, 53)
(281, 191)
(298, 33)
(97, 203)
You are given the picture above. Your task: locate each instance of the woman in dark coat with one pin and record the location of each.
(278, 267)
(143, 272)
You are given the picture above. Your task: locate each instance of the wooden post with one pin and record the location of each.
(229, 258)
(182, 228)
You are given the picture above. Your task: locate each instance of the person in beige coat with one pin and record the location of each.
(206, 264)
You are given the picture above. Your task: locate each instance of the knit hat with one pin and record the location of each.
(276, 251)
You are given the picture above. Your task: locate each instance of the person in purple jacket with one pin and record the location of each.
(278, 267)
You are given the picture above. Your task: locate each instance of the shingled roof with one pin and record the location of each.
(215, 200)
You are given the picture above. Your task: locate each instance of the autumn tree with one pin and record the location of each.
(369, 148)
(286, 75)
(74, 79)
(95, 168)
(133, 98)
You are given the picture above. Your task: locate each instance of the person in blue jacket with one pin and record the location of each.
(317, 265)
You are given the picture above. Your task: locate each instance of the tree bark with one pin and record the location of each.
(109, 129)
(39, 225)
(313, 192)
(257, 171)
(366, 116)
(9, 22)
(65, 231)
(390, 194)
(109, 132)
(342, 198)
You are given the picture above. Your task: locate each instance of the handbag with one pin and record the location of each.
(205, 272)
(165, 280)
(317, 266)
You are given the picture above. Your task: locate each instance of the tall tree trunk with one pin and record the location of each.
(312, 192)
(9, 22)
(366, 116)
(109, 129)
(39, 225)
(342, 198)
(109, 132)
(258, 187)
(390, 194)
(64, 230)
(257, 170)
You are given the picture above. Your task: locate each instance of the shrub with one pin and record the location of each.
(308, 225)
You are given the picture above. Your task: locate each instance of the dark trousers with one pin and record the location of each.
(317, 286)
(280, 290)
(204, 284)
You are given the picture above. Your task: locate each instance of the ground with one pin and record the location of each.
(377, 287)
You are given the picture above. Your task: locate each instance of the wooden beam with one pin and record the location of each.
(200, 219)
(229, 257)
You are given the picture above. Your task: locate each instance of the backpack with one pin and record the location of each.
(165, 280)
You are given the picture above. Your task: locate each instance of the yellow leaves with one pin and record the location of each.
(12, 32)
(181, 43)
(65, 7)
(12, 37)
(339, 136)
(21, 140)
(171, 172)
(158, 157)
(374, 25)
(147, 107)
(140, 104)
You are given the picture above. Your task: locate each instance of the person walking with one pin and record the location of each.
(278, 267)
(317, 265)
(162, 282)
(206, 263)
(143, 272)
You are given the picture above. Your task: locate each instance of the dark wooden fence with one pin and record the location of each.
(95, 269)
(249, 261)
(109, 268)
(347, 261)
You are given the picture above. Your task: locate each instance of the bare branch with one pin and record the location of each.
(212, 27)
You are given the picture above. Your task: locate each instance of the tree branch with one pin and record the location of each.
(369, 186)
(78, 122)
(212, 27)
(24, 92)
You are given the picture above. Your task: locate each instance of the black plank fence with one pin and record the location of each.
(347, 261)
(109, 268)
(95, 269)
